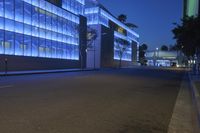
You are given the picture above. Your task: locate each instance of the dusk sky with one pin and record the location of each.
(153, 17)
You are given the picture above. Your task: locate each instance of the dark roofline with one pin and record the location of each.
(103, 7)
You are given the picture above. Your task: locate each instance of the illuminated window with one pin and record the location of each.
(42, 46)
(120, 30)
(27, 45)
(48, 48)
(19, 41)
(35, 43)
(74, 6)
(123, 51)
(1, 23)
(9, 9)
(38, 28)
(1, 8)
(1, 42)
(9, 43)
(35, 16)
(27, 13)
(9, 25)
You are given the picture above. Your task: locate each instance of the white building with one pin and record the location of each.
(164, 58)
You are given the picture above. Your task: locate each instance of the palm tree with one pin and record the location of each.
(122, 18)
(142, 50)
(187, 35)
(164, 48)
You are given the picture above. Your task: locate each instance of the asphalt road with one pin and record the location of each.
(108, 101)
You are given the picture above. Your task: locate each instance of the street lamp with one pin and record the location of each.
(157, 56)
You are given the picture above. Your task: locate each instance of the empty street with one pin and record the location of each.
(139, 100)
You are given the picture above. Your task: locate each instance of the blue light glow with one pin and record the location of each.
(74, 6)
(38, 28)
(96, 15)
(119, 35)
(110, 17)
(127, 54)
(96, 12)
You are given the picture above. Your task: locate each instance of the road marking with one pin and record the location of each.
(6, 86)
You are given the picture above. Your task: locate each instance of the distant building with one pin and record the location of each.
(164, 58)
(192, 8)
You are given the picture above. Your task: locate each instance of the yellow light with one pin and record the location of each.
(120, 30)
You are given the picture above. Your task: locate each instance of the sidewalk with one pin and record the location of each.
(14, 73)
(195, 87)
(184, 118)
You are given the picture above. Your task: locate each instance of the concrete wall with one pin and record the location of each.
(107, 47)
(21, 63)
(134, 51)
(94, 53)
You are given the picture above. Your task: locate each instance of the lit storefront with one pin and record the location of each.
(165, 58)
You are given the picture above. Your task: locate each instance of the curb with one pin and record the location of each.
(46, 72)
(195, 98)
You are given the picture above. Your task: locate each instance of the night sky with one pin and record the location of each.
(153, 17)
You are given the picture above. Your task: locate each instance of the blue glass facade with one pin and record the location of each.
(127, 53)
(40, 29)
(74, 6)
(97, 15)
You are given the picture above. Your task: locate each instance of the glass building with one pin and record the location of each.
(55, 31)
(38, 28)
(99, 15)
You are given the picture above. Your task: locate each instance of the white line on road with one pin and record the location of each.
(6, 86)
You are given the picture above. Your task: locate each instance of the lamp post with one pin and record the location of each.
(6, 66)
(157, 56)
